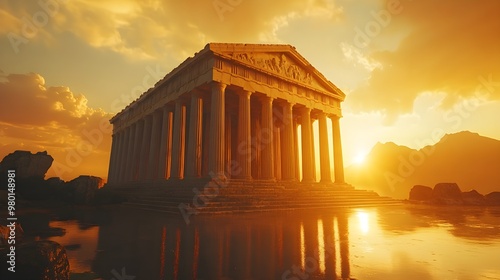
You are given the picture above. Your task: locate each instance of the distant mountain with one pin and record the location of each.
(468, 159)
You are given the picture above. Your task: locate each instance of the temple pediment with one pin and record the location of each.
(279, 60)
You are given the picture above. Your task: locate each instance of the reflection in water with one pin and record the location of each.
(250, 247)
(321, 246)
(80, 259)
(162, 254)
(474, 223)
(374, 243)
(364, 224)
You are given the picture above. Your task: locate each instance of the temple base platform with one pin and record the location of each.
(239, 196)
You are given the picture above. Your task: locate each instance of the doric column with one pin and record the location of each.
(154, 146)
(112, 158)
(313, 142)
(244, 135)
(267, 139)
(165, 144)
(288, 145)
(130, 153)
(296, 148)
(146, 139)
(337, 151)
(307, 147)
(179, 140)
(206, 137)
(194, 149)
(324, 152)
(255, 146)
(119, 157)
(228, 144)
(124, 152)
(137, 149)
(277, 151)
(217, 122)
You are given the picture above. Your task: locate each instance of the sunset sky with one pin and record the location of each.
(411, 70)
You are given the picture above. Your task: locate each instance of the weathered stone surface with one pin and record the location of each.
(85, 188)
(41, 260)
(421, 193)
(447, 194)
(473, 198)
(493, 198)
(26, 164)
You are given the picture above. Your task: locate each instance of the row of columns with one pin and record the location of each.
(163, 145)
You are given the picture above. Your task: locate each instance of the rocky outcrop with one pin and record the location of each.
(55, 182)
(447, 194)
(85, 188)
(30, 173)
(421, 193)
(493, 198)
(473, 198)
(44, 260)
(450, 194)
(27, 165)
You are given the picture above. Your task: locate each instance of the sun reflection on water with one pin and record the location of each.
(364, 221)
(321, 246)
(302, 246)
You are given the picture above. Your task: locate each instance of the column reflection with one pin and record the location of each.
(232, 247)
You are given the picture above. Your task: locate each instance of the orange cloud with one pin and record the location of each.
(37, 118)
(449, 46)
(7, 21)
(151, 29)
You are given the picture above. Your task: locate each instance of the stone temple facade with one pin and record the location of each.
(235, 112)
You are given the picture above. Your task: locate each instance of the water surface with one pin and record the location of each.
(398, 242)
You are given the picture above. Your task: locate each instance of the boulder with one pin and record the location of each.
(44, 260)
(84, 188)
(447, 194)
(26, 164)
(473, 198)
(493, 198)
(421, 193)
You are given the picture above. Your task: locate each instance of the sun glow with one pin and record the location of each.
(360, 157)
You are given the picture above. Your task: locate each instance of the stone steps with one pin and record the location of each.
(239, 198)
(174, 209)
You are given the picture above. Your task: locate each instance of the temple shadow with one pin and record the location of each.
(248, 246)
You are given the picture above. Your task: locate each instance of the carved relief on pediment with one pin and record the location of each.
(277, 63)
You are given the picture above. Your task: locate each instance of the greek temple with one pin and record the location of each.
(235, 112)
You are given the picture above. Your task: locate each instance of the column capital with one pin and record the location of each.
(180, 101)
(196, 93)
(266, 98)
(245, 93)
(333, 116)
(288, 104)
(305, 110)
(218, 85)
(323, 114)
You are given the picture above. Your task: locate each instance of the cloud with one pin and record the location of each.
(151, 29)
(7, 21)
(36, 117)
(450, 44)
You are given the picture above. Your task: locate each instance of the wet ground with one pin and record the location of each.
(397, 242)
